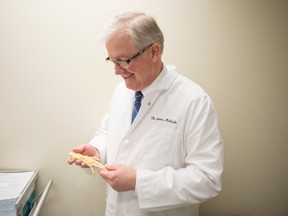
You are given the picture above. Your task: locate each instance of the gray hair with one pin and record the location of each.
(142, 29)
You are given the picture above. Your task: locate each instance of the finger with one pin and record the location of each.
(111, 167)
(77, 162)
(70, 161)
(80, 163)
(105, 174)
(79, 149)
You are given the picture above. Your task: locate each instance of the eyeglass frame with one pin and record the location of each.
(123, 63)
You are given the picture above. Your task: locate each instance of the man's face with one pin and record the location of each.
(140, 72)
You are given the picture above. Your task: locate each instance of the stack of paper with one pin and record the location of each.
(12, 186)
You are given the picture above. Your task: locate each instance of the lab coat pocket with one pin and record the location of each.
(159, 145)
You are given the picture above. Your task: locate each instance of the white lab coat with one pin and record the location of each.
(174, 144)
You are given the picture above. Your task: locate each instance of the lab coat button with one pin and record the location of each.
(126, 141)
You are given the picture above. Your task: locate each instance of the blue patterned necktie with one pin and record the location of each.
(137, 104)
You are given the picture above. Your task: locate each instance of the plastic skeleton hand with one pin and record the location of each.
(89, 161)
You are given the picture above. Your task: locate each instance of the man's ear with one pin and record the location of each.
(156, 52)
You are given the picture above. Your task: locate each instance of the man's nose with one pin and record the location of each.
(118, 69)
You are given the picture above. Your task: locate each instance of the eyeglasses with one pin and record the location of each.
(123, 63)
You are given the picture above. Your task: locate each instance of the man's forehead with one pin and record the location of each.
(119, 46)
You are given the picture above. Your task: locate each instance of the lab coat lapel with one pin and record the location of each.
(121, 121)
(146, 104)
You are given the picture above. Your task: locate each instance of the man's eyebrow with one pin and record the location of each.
(120, 58)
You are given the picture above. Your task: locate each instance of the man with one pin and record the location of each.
(170, 157)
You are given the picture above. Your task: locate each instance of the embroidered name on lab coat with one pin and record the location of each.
(163, 119)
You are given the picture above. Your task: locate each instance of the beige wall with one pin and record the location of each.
(55, 86)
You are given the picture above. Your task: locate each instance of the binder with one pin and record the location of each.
(17, 192)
